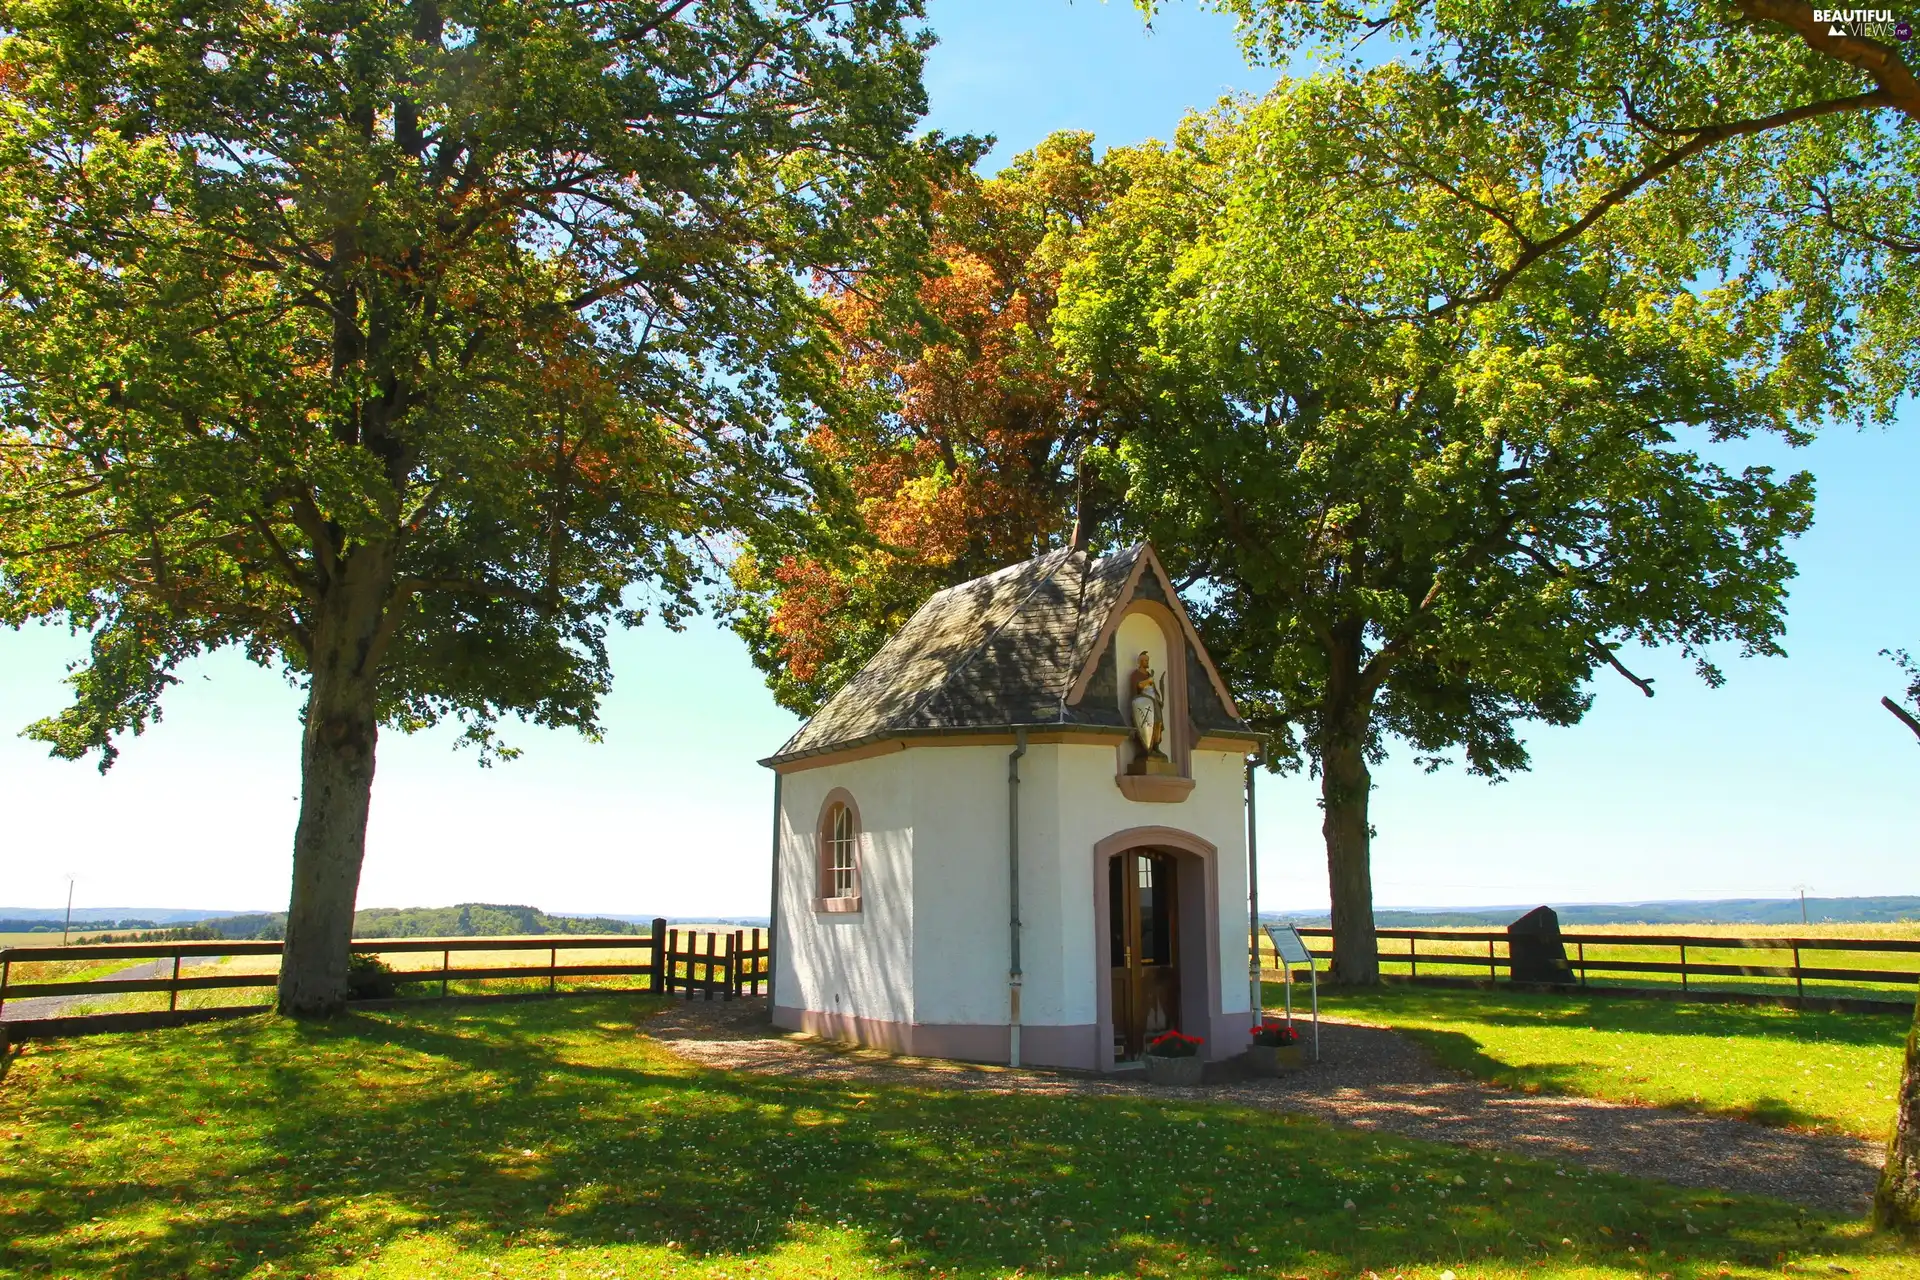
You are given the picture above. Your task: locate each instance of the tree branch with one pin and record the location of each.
(1893, 76)
(1698, 139)
(297, 577)
(1902, 714)
(1605, 654)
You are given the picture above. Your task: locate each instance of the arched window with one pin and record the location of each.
(839, 854)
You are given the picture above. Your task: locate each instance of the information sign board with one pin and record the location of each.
(1289, 945)
(1291, 949)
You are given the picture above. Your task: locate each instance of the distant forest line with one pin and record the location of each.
(464, 920)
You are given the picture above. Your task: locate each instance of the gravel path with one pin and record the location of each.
(1368, 1078)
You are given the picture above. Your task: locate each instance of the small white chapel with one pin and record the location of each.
(1019, 834)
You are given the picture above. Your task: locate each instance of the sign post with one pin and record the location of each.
(1291, 948)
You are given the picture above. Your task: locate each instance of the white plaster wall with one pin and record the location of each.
(857, 963)
(960, 882)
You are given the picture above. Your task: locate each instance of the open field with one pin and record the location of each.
(53, 939)
(268, 968)
(1807, 1069)
(1468, 959)
(549, 1139)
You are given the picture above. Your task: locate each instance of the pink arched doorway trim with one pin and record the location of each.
(1198, 862)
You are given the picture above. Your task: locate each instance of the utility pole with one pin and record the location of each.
(1803, 902)
(67, 924)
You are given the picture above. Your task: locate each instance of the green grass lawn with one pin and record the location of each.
(549, 1139)
(1813, 1070)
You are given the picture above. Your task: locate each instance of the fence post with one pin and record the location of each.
(761, 957)
(711, 936)
(173, 992)
(673, 962)
(1683, 966)
(6, 973)
(553, 961)
(446, 963)
(1413, 957)
(736, 952)
(1799, 983)
(1493, 970)
(1583, 963)
(657, 980)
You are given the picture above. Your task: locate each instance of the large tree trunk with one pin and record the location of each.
(1896, 1205)
(336, 784)
(1345, 786)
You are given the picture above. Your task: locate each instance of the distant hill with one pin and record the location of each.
(100, 917)
(1722, 911)
(36, 924)
(465, 920)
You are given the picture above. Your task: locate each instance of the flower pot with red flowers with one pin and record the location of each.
(1173, 1058)
(1275, 1049)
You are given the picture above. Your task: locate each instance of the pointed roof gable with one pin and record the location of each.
(1017, 647)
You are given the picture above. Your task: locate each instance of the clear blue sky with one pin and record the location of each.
(1790, 775)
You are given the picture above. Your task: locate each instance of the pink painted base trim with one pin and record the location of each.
(1074, 1047)
(1231, 1035)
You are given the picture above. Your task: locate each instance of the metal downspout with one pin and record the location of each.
(773, 919)
(1255, 1003)
(1013, 895)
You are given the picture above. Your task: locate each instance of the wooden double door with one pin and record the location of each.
(1143, 948)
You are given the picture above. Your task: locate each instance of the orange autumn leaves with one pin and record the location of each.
(960, 456)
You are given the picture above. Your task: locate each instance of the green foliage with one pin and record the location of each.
(523, 1140)
(1739, 136)
(477, 919)
(464, 920)
(418, 341)
(1449, 521)
(1428, 464)
(40, 924)
(370, 978)
(410, 345)
(202, 932)
(1836, 1072)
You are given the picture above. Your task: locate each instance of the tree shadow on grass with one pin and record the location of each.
(203, 1151)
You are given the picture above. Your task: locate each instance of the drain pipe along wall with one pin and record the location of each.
(1254, 1000)
(1013, 896)
(773, 908)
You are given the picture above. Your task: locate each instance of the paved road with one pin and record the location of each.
(56, 1006)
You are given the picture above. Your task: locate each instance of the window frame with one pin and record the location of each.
(826, 875)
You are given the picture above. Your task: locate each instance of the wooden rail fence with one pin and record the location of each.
(1691, 972)
(688, 962)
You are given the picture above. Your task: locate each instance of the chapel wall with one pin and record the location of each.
(960, 882)
(854, 968)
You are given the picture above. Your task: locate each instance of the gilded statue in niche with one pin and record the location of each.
(1149, 707)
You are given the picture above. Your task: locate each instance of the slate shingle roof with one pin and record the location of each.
(998, 651)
